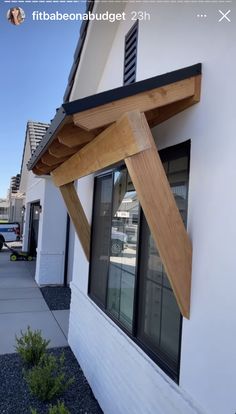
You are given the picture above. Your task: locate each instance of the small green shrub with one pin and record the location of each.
(58, 409)
(31, 346)
(47, 379)
(54, 409)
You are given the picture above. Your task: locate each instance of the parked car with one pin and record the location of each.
(9, 232)
(118, 242)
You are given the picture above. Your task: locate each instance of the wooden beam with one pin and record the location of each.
(159, 115)
(145, 101)
(43, 169)
(120, 140)
(77, 215)
(156, 116)
(73, 136)
(59, 150)
(164, 219)
(36, 171)
(50, 160)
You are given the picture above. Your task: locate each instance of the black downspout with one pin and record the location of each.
(67, 243)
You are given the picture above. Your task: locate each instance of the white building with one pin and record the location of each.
(137, 352)
(4, 209)
(45, 218)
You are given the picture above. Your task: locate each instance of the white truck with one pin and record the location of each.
(9, 232)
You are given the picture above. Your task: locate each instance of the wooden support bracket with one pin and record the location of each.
(77, 215)
(130, 139)
(120, 140)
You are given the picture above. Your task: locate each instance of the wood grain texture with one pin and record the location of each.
(59, 150)
(36, 171)
(73, 136)
(159, 115)
(77, 215)
(41, 168)
(50, 160)
(164, 220)
(145, 101)
(120, 140)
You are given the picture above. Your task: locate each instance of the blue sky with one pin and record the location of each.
(36, 58)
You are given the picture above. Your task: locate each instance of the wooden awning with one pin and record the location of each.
(90, 134)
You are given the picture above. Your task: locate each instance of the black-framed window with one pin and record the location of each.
(127, 278)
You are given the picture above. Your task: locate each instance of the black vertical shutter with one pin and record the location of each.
(131, 43)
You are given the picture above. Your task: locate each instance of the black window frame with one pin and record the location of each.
(166, 154)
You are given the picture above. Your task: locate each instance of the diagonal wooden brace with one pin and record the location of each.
(164, 219)
(77, 215)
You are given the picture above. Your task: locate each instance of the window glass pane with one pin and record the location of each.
(122, 268)
(178, 164)
(152, 317)
(159, 316)
(170, 325)
(101, 237)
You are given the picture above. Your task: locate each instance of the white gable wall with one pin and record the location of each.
(123, 378)
(95, 54)
(52, 230)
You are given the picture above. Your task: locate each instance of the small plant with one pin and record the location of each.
(31, 346)
(48, 380)
(54, 409)
(58, 409)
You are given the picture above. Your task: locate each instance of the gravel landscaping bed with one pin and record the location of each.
(57, 297)
(15, 397)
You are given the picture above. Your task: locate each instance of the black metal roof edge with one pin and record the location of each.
(121, 92)
(102, 98)
(23, 154)
(48, 137)
(78, 51)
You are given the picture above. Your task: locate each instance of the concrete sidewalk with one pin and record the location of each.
(22, 305)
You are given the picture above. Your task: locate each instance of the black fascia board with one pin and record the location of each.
(93, 101)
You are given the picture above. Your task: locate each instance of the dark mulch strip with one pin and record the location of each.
(57, 297)
(15, 397)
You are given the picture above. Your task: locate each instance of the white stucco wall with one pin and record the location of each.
(94, 57)
(52, 230)
(51, 249)
(122, 377)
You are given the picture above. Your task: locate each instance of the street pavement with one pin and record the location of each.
(22, 305)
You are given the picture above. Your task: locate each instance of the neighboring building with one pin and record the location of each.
(15, 200)
(15, 184)
(4, 209)
(138, 353)
(45, 217)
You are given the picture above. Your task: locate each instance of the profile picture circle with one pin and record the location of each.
(16, 15)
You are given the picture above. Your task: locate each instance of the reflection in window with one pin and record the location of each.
(155, 321)
(122, 266)
(160, 321)
(101, 244)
